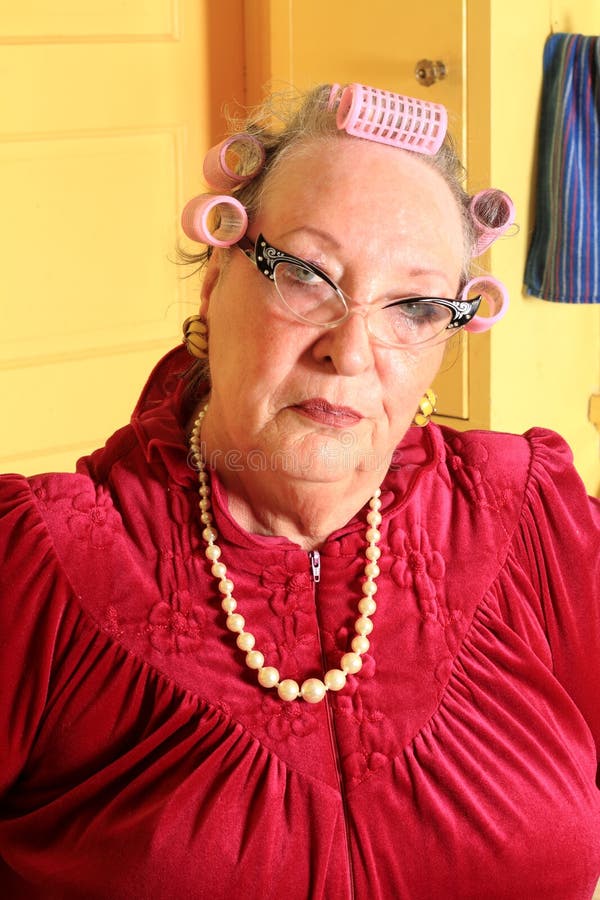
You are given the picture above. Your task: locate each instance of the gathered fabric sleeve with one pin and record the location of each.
(34, 622)
(559, 539)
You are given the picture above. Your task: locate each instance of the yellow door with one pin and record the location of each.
(301, 43)
(106, 108)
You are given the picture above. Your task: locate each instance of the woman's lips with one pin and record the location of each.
(325, 413)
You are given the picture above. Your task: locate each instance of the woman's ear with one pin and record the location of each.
(212, 273)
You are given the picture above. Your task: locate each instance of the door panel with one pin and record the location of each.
(106, 110)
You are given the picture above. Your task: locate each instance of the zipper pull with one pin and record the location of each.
(315, 565)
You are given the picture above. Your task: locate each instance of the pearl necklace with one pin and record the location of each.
(312, 690)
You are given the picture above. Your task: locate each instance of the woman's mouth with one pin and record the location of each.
(325, 413)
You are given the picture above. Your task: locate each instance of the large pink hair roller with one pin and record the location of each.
(392, 119)
(493, 213)
(234, 161)
(214, 219)
(496, 296)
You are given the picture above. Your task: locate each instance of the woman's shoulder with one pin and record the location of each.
(523, 463)
(516, 489)
(26, 501)
(45, 522)
(501, 452)
(48, 505)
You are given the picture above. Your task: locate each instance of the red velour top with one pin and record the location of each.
(141, 759)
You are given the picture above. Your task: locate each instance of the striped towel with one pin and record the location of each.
(563, 263)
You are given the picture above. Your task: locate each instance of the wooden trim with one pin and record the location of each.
(594, 410)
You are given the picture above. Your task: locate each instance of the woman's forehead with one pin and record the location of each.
(363, 193)
(357, 171)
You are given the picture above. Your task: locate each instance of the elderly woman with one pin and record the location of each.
(272, 640)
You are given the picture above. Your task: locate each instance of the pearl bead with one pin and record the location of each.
(228, 604)
(255, 659)
(204, 490)
(372, 570)
(204, 504)
(288, 689)
(369, 587)
(313, 690)
(363, 625)
(360, 644)
(335, 679)
(268, 676)
(206, 518)
(372, 552)
(226, 585)
(245, 641)
(219, 570)
(375, 503)
(351, 663)
(373, 535)
(212, 552)
(235, 622)
(209, 534)
(374, 517)
(367, 606)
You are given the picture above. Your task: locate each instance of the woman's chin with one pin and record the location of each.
(326, 460)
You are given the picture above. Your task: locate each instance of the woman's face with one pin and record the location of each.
(321, 404)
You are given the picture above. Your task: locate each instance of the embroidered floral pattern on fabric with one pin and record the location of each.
(336, 644)
(418, 566)
(291, 656)
(176, 626)
(41, 495)
(284, 720)
(94, 519)
(290, 588)
(468, 463)
(373, 743)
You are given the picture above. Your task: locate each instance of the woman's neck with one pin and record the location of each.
(301, 507)
(306, 513)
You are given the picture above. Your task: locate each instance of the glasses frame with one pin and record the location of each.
(266, 258)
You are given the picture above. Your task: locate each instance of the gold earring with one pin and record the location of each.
(195, 338)
(426, 408)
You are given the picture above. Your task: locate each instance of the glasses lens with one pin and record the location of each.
(307, 295)
(412, 321)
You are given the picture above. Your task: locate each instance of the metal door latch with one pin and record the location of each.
(428, 72)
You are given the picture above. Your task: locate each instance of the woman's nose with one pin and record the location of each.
(347, 346)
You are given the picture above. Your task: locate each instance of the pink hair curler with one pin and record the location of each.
(214, 219)
(392, 119)
(234, 161)
(496, 295)
(493, 213)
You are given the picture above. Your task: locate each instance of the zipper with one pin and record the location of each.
(315, 565)
(315, 568)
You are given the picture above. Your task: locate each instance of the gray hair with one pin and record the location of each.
(285, 123)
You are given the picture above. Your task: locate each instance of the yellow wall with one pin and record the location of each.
(545, 364)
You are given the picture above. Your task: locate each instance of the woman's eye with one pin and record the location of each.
(420, 309)
(417, 310)
(301, 274)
